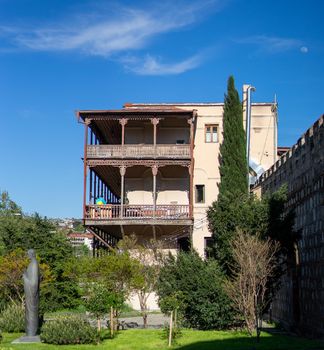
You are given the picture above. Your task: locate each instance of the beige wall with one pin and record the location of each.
(263, 146)
(164, 134)
(169, 190)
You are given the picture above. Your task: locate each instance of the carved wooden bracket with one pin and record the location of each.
(122, 170)
(155, 121)
(155, 169)
(123, 121)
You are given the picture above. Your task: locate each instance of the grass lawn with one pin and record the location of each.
(141, 339)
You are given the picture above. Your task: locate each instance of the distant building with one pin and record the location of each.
(78, 239)
(153, 169)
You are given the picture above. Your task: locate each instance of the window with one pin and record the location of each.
(200, 193)
(209, 243)
(211, 133)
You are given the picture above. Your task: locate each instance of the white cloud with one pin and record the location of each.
(153, 66)
(304, 49)
(114, 32)
(270, 44)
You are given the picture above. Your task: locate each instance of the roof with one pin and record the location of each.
(80, 235)
(136, 111)
(193, 104)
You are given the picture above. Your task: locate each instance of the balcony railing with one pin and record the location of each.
(137, 212)
(138, 151)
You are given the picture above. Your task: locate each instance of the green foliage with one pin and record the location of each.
(12, 319)
(100, 300)
(7, 205)
(115, 271)
(225, 213)
(281, 222)
(68, 330)
(233, 163)
(52, 247)
(199, 287)
(172, 302)
(12, 266)
(246, 213)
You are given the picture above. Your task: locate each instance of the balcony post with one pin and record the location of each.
(123, 122)
(122, 171)
(85, 168)
(155, 122)
(90, 189)
(154, 172)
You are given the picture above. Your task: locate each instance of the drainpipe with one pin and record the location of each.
(248, 129)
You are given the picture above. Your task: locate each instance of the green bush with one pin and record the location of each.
(68, 330)
(195, 288)
(12, 319)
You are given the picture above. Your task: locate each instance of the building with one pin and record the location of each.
(78, 239)
(153, 169)
(299, 304)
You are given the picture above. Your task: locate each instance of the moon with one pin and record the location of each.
(304, 49)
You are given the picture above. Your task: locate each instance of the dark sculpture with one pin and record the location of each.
(31, 288)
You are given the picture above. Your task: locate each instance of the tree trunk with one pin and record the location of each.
(99, 324)
(170, 330)
(145, 319)
(111, 322)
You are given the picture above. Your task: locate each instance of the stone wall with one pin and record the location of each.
(300, 302)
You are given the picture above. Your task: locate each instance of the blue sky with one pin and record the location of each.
(59, 56)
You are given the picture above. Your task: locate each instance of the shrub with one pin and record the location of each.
(12, 319)
(198, 288)
(68, 330)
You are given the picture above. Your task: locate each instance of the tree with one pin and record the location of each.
(12, 266)
(233, 164)
(246, 213)
(233, 185)
(100, 299)
(198, 285)
(52, 247)
(254, 265)
(146, 270)
(7, 205)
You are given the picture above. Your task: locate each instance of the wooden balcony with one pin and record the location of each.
(113, 214)
(138, 151)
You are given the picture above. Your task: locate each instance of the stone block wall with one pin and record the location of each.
(300, 302)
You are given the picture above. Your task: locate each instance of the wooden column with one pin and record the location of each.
(95, 195)
(155, 122)
(191, 167)
(123, 122)
(122, 171)
(85, 168)
(154, 172)
(91, 185)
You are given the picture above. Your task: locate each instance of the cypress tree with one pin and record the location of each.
(225, 214)
(233, 167)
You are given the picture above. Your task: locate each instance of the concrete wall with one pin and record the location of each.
(300, 302)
